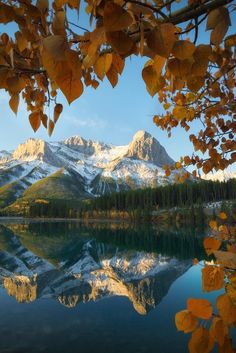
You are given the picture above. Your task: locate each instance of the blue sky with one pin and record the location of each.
(107, 114)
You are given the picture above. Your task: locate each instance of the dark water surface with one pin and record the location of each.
(68, 288)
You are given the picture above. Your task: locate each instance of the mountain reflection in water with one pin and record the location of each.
(71, 263)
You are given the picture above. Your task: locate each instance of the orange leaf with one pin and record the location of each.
(14, 102)
(222, 215)
(218, 330)
(162, 38)
(183, 49)
(211, 244)
(35, 120)
(200, 308)
(44, 120)
(115, 18)
(212, 278)
(226, 258)
(112, 76)
(213, 225)
(185, 321)
(201, 341)
(226, 309)
(57, 111)
(121, 42)
(102, 65)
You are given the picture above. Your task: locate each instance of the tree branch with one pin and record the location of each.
(189, 12)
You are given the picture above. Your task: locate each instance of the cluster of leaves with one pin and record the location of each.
(216, 275)
(193, 81)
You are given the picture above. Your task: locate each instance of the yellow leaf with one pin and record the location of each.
(212, 278)
(222, 215)
(14, 102)
(213, 225)
(179, 68)
(161, 39)
(183, 49)
(118, 63)
(112, 76)
(35, 120)
(57, 111)
(178, 165)
(201, 341)
(200, 308)
(102, 65)
(185, 321)
(211, 244)
(152, 79)
(115, 18)
(226, 309)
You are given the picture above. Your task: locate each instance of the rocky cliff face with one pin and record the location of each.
(145, 147)
(36, 149)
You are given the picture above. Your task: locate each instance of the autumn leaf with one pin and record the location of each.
(211, 244)
(222, 215)
(212, 278)
(14, 102)
(161, 39)
(55, 46)
(120, 42)
(115, 18)
(185, 321)
(35, 120)
(226, 259)
(218, 330)
(226, 309)
(200, 308)
(213, 225)
(201, 341)
(70, 84)
(44, 120)
(151, 78)
(183, 49)
(57, 112)
(51, 127)
(102, 65)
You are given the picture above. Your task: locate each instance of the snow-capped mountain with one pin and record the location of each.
(220, 175)
(94, 271)
(83, 167)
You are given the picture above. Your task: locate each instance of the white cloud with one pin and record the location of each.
(85, 122)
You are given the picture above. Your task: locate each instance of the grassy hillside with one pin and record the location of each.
(10, 192)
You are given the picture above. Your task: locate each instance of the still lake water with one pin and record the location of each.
(66, 287)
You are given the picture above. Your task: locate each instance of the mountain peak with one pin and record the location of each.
(145, 147)
(141, 134)
(30, 150)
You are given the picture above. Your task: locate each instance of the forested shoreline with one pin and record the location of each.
(188, 203)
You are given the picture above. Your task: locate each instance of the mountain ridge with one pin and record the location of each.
(93, 167)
